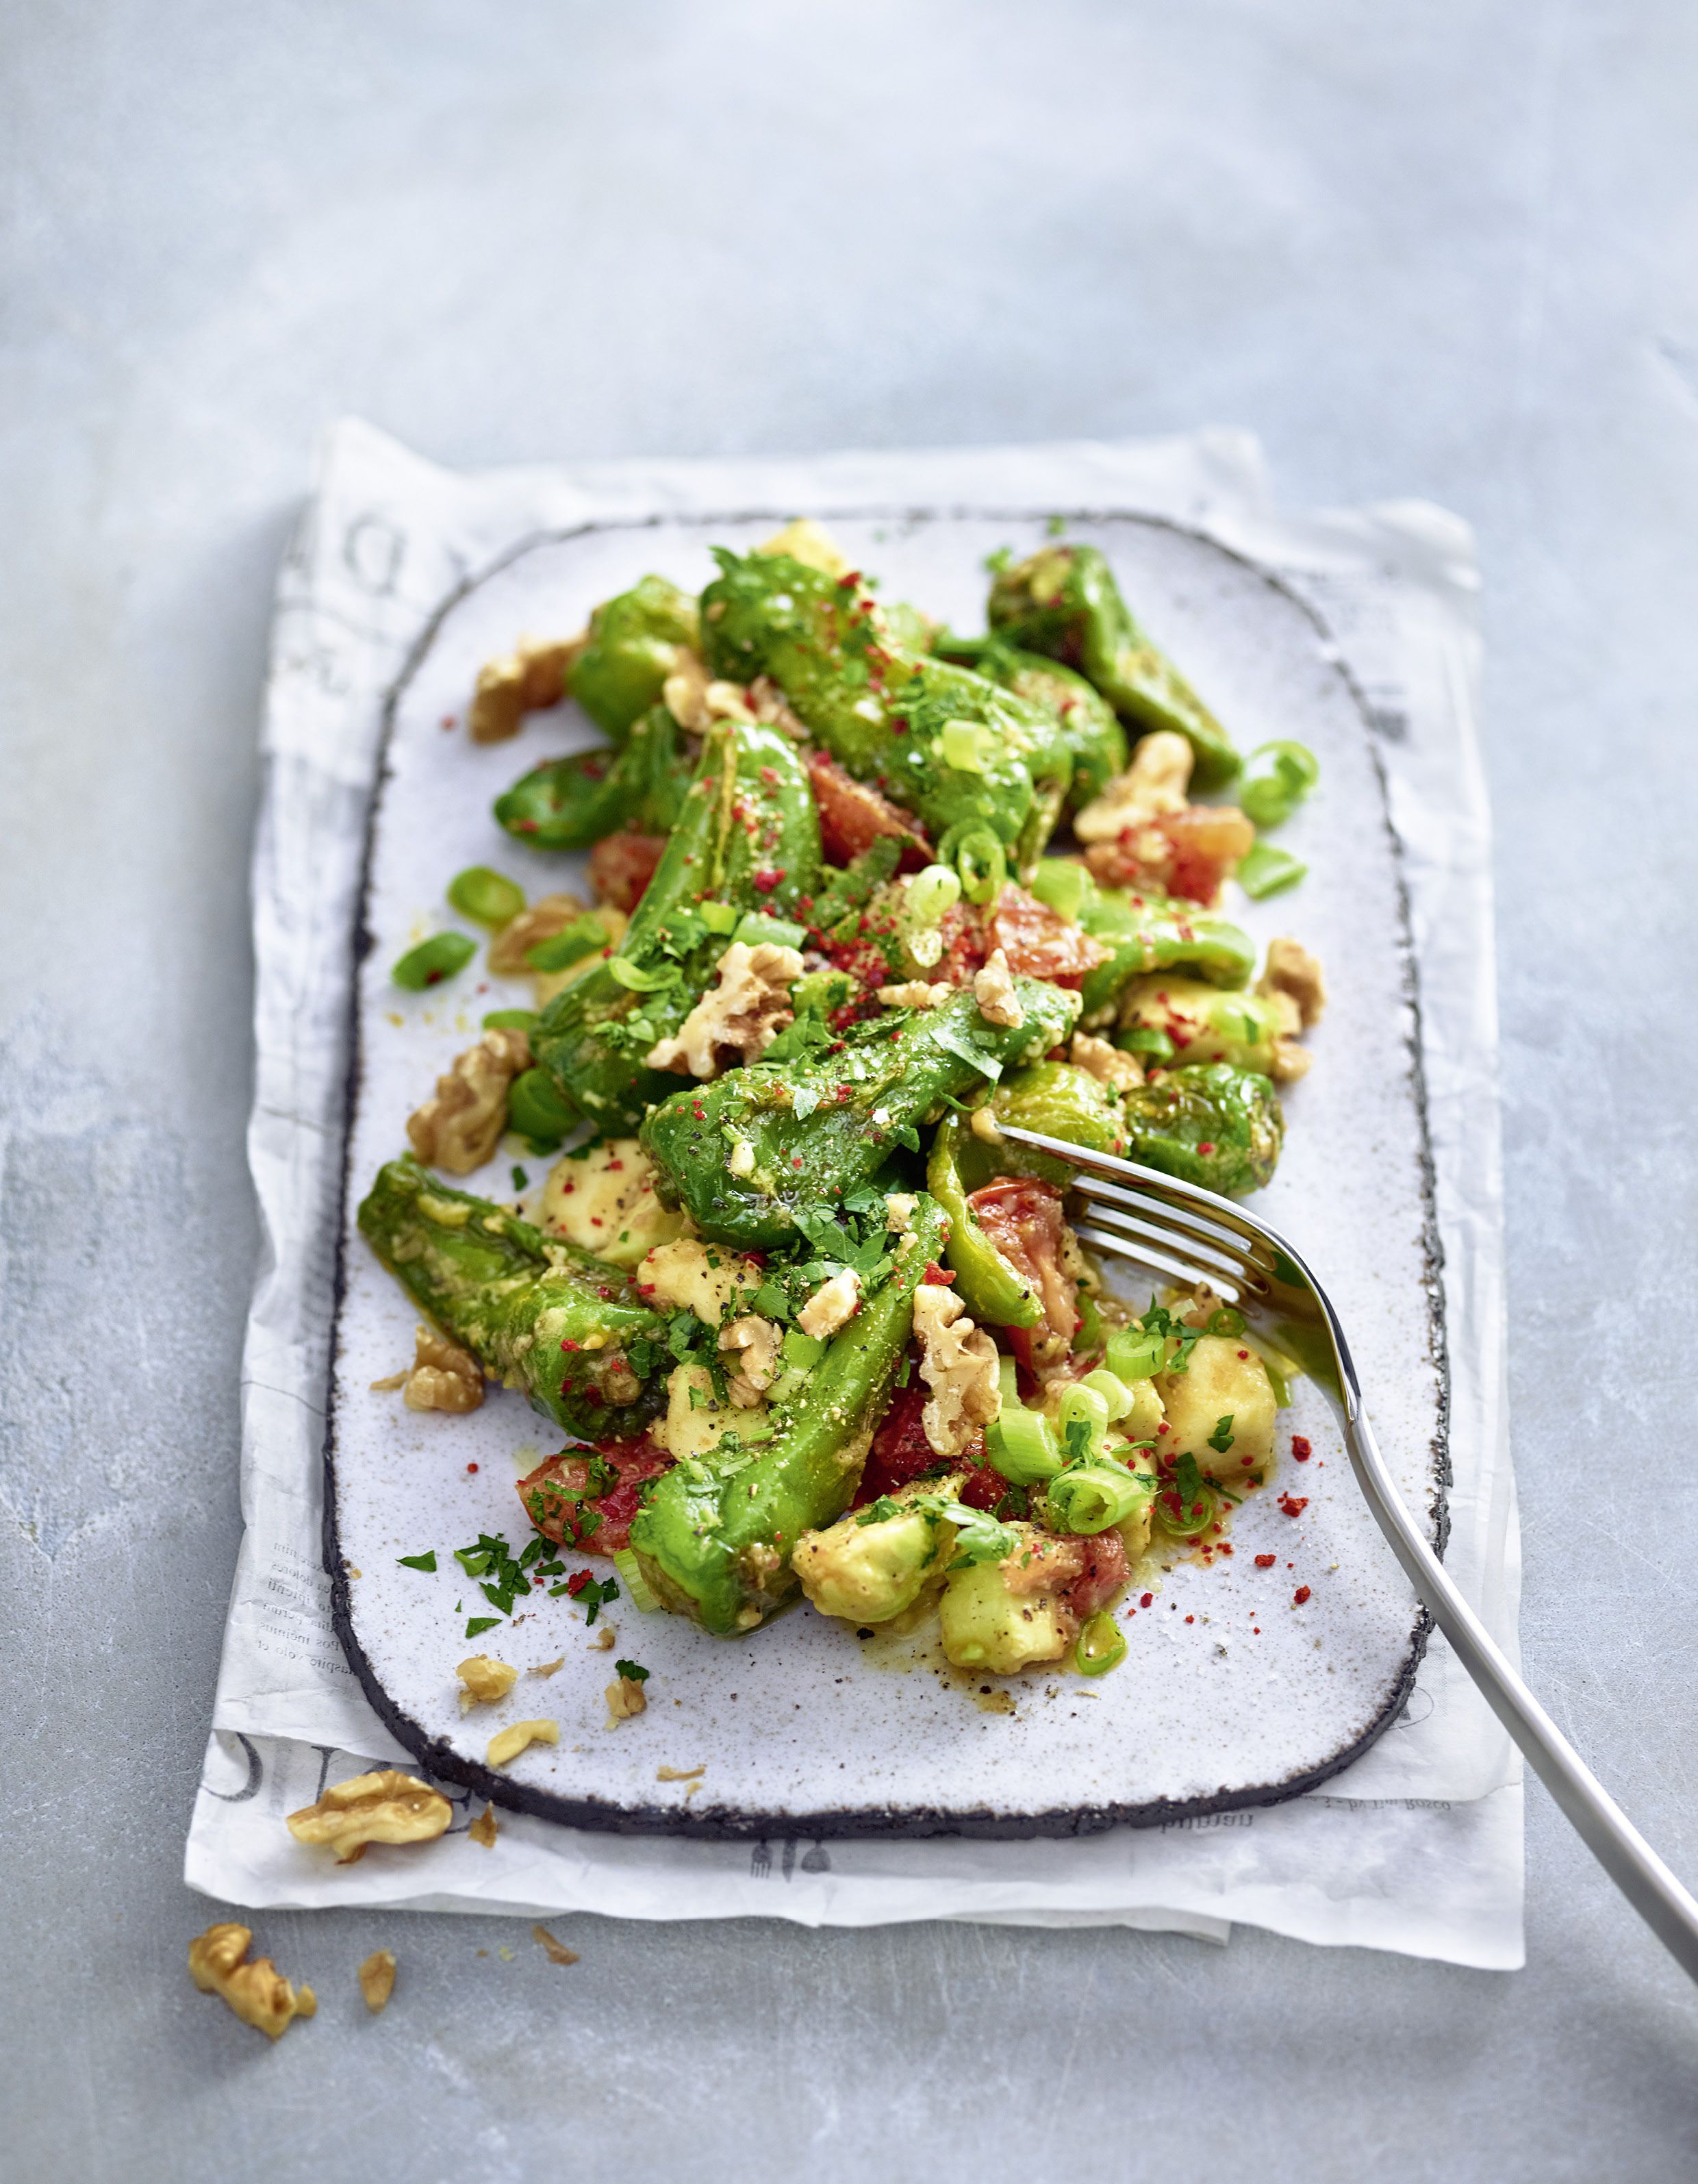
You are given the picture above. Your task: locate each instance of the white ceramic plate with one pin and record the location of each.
(1231, 1694)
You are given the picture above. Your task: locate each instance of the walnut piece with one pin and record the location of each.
(756, 1342)
(624, 1701)
(486, 1680)
(958, 1364)
(460, 1126)
(523, 681)
(442, 1376)
(505, 1746)
(485, 1828)
(915, 993)
(1106, 1063)
(695, 700)
(258, 1993)
(831, 1306)
(556, 1951)
(740, 1018)
(1154, 785)
(386, 1807)
(993, 991)
(1293, 970)
(377, 1978)
(605, 1639)
(549, 915)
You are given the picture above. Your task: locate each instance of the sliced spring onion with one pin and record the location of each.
(1276, 777)
(535, 1110)
(1101, 1645)
(1021, 1445)
(1133, 1354)
(1062, 886)
(1087, 1406)
(642, 1594)
(1225, 1319)
(486, 897)
(719, 917)
(968, 746)
(1117, 1397)
(1091, 1496)
(1267, 871)
(512, 1019)
(756, 925)
(1191, 1519)
(636, 980)
(931, 894)
(432, 961)
(582, 937)
(1145, 1039)
(980, 859)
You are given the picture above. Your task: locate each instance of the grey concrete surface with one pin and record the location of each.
(1447, 250)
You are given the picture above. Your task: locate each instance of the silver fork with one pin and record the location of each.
(1189, 1235)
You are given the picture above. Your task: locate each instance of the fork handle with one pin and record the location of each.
(1666, 1907)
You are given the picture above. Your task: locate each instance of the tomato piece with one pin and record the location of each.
(554, 1499)
(1022, 1217)
(621, 866)
(1106, 1570)
(1038, 942)
(1203, 840)
(900, 1450)
(853, 815)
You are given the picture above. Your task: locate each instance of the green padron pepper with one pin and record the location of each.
(715, 1538)
(1063, 601)
(634, 643)
(1211, 1124)
(1088, 724)
(572, 803)
(750, 1152)
(1144, 932)
(748, 838)
(542, 1317)
(945, 742)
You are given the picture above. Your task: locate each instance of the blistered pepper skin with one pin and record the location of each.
(634, 645)
(747, 836)
(573, 803)
(1063, 601)
(552, 1321)
(1144, 932)
(881, 709)
(715, 1536)
(1090, 726)
(1210, 1123)
(912, 1062)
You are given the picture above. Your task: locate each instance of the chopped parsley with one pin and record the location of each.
(427, 1561)
(478, 1623)
(1220, 1439)
(631, 1673)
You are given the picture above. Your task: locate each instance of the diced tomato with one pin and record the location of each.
(901, 1452)
(1038, 942)
(554, 1501)
(853, 815)
(983, 1488)
(1022, 1217)
(621, 866)
(1106, 1571)
(1203, 840)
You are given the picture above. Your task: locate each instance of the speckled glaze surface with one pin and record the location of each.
(1231, 1693)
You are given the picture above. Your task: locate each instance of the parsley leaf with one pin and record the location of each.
(1189, 1481)
(1220, 1439)
(476, 1623)
(427, 1561)
(631, 1672)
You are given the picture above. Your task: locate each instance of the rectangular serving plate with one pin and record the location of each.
(1232, 1693)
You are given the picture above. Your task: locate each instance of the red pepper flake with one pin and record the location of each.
(1145, 1599)
(770, 776)
(1265, 1561)
(1191, 1618)
(768, 877)
(1294, 1505)
(1207, 1146)
(1300, 1448)
(795, 1159)
(576, 1582)
(448, 719)
(1300, 1595)
(936, 1274)
(471, 1467)
(1242, 1353)
(567, 1343)
(1226, 1545)
(528, 826)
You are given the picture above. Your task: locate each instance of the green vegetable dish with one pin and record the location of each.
(810, 1323)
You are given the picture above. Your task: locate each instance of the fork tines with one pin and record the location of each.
(1185, 1232)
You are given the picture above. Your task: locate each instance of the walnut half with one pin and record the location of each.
(386, 1807)
(258, 1993)
(533, 675)
(958, 1363)
(460, 1125)
(486, 1680)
